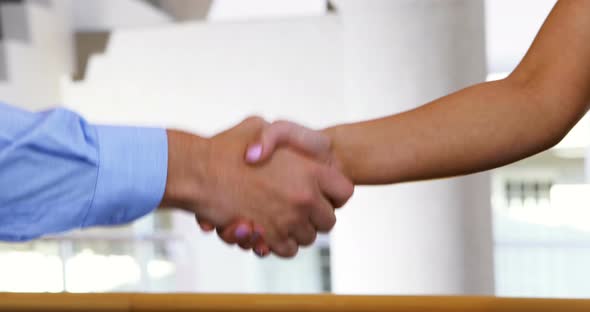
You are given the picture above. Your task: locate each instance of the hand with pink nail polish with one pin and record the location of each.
(282, 200)
(333, 188)
(315, 144)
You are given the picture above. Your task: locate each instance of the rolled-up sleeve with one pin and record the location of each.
(58, 173)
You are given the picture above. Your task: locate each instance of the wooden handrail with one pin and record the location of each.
(289, 303)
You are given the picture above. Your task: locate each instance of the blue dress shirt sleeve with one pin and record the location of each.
(58, 172)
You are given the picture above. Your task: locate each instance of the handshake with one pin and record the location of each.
(266, 187)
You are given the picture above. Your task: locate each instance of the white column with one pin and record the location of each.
(419, 238)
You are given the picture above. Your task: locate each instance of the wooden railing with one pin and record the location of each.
(290, 303)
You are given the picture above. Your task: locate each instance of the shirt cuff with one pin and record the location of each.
(133, 165)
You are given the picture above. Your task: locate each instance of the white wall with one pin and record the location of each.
(511, 27)
(105, 15)
(223, 10)
(205, 77)
(35, 66)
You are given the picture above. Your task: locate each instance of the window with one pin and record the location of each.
(542, 228)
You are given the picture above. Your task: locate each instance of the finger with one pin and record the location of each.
(336, 187)
(245, 245)
(246, 235)
(286, 249)
(252, 123)
(261, 249)
(313, 143)
(227, 234)
(237, 232)
(205, 226)
(257, 235)
(322, 215)
(305, 234)
(274, 238)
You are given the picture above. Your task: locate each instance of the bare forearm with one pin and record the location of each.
(487, 125)
(475, 129)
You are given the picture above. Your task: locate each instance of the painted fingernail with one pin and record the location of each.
(254, 153)
(259, 252)
(242, 231)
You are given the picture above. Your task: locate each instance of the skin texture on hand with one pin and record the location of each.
(285, 134)
(289, 196)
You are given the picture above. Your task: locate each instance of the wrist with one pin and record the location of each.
(340, 154)
(188, 158)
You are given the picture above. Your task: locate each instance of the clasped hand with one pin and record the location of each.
(266, 187)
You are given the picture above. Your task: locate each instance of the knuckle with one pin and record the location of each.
(227, 239)
(255, 120)
(290, 221)
(244, 246)
(350, 190)
(281, 128)
(283, 253)
(304, 198)
(310, 239)
(347, 193)
(302, 216)
(290, 251)
(280, 249)
(281, 123)
(331, 223)
(327, 224)
(282, 231)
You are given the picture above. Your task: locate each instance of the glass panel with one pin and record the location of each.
(31, 267)
(302, 274)
(542, 227)
(120, 266)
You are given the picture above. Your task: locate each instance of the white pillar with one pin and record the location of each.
(419, 238)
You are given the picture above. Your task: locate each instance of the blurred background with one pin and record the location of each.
(202, 66)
